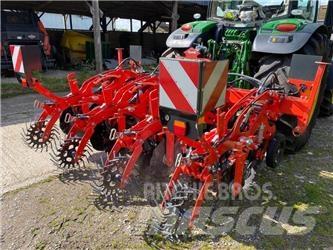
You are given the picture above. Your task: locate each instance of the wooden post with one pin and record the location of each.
(112, 24)
(97, 36)
(70, 21)
(104, 27)
(175, 16)
(65, 21)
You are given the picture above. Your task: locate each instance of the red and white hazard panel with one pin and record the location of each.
(17, 58)
(192, 86)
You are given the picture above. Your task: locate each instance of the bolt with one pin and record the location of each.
(117, 177)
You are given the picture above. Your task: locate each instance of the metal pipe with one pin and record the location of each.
(120, 56)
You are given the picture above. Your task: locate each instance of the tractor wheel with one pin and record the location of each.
(327, 105)
(326, 108)
(275, 150)
(317, 45)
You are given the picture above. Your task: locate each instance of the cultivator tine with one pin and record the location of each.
(87, 151)
(108, 176)
(168, 221)
(33, 135)
(96, 184)
(89, 147)
(64, 155)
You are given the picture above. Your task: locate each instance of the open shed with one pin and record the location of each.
(151, 14)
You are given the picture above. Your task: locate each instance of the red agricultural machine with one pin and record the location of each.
(212, 114)
(245, 133)
(84, 109)
(223, 131)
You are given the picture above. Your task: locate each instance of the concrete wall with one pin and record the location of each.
(152, 45)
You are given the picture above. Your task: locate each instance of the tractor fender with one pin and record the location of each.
(285, 43)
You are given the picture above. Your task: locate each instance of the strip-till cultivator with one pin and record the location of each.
(192, 118)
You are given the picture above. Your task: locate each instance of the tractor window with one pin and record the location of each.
(229, 8)
(220, 7)
(322, 11)
(309, 9)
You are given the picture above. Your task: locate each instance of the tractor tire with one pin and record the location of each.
(327, 104)
(280, 64)
(326, 108)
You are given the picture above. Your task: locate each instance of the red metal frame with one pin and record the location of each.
(115, 109)
(82, 96)
(260, 111)
(134, 138)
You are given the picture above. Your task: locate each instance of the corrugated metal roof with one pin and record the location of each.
(141, 10)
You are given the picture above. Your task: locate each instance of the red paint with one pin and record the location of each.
(286, 27)
(186, 27)
(174, 93)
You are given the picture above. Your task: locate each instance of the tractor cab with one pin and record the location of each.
(249, 13)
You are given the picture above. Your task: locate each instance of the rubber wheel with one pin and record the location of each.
(275, 150)
(64, 126)
(317, 45)
(100, 138)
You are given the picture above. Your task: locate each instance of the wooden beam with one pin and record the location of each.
(175, 16)
(41, 14)
(97, 36)
(143, 27)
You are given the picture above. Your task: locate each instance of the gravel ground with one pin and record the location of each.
(20, 166)
(19, 109)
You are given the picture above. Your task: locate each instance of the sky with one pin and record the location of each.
(56, 21)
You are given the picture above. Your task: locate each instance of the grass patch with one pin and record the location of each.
(34, 231)
(54, 84)
(40, 245)
(13, 192)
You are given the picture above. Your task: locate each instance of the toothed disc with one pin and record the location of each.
(34, 135)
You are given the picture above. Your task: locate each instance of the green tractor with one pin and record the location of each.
(259, 39)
